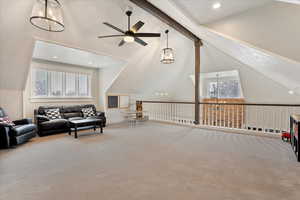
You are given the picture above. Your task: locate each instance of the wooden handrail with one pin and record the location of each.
(237, 104)
(172, 102)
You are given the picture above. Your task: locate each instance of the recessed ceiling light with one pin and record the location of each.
(55, 57)
(216, 5)
(90, 63)
(291, 92)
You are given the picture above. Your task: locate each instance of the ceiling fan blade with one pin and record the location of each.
(135, 28)
(113, 27)
(141, 42)
(121, 43)
(109, 36)
(147, 35)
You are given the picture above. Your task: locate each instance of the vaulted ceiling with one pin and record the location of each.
(202, 12)
(143, 72)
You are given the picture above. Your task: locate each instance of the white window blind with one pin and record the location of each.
(60, 84)
(83, 85)
(56, 83)
(40, 83)
(71, 84)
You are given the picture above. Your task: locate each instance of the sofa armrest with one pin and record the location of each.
(42, 118)
(5, 125)
(100, 114)
(23, 122)
(4, 135)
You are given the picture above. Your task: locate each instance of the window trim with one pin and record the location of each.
(63, 97)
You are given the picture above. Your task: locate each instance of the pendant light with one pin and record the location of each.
(167, 56)
(47, 15)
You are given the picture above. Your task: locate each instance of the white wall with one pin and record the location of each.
(11, 102)
(31, 103)
(145, 74)
(107, 76)
(274, 27)
(279, 69)
(256, 87)
(17, 39)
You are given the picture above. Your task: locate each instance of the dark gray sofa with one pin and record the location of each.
(48, 127)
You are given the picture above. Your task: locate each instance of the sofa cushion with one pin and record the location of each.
(6, 120)
(55, 124)
(42, 109)
(89, 106)
(23, 129)
(53, 113)
(72, 115)
(88, 112)
(71, 109)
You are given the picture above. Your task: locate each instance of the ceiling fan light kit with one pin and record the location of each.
(47, 15)
(129, 39)
(167, 55)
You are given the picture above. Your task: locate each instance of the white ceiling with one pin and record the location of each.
(58, 53)
(201, 11)
(291, 1)
(143, 71)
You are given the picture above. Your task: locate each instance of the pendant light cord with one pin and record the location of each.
(128, 23)
(167, 32)
(46, 8)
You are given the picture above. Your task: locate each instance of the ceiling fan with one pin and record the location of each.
(131, 35)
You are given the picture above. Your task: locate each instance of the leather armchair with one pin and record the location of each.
(4, 135)
(11, 135)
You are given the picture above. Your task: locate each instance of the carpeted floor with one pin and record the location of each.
(150, 162)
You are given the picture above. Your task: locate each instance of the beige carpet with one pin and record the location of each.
(150, 162)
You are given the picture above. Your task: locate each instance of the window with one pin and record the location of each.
(213, 90)
(71, 84)
(49, 84)
(225, 84)
(40, 83)
(56, 84)
(224, 89)
(83, 85)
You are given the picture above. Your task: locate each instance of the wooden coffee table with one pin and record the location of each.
(85, 124)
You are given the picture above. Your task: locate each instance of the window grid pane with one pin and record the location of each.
(222, 85)
(40, 83)
(70, 88)
(56, 84)
(83, 82)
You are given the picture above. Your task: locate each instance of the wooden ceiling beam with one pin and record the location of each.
(153, 10)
